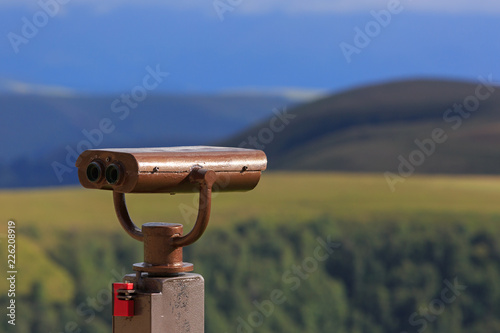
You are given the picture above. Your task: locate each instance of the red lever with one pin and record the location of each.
(123, 299)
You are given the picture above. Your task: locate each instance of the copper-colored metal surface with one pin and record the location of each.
(124, 217)
(161, 256)
(163, 242)
(166, 170)
(205, 179)
(169, 170)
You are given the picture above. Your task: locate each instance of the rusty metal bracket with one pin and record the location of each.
(163, 242)
(124, 217)
(206, 179)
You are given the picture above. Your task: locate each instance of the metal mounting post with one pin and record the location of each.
(162, 297)
(166, 299)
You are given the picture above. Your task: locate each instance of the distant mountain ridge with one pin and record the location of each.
(387, 128)
(400, 128)
(41, 132)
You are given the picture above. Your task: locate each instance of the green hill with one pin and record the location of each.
(396, 250)
(372, 128)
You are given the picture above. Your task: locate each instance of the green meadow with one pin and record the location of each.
(68, 240)
(279, 198)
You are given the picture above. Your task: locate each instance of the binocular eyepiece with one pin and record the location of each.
(167, 170)
(96, 170)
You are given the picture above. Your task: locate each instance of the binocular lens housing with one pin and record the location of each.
(168, 170)
(94, 172)
(113, 174)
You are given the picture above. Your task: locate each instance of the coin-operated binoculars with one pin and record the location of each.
(162, 296)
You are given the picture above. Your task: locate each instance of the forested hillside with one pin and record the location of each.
(319, 276)
(343, 254)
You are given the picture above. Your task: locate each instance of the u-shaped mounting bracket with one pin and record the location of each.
(205, 179)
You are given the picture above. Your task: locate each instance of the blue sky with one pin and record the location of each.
(225, 45)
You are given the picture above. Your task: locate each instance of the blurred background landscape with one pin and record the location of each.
(381, 124)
